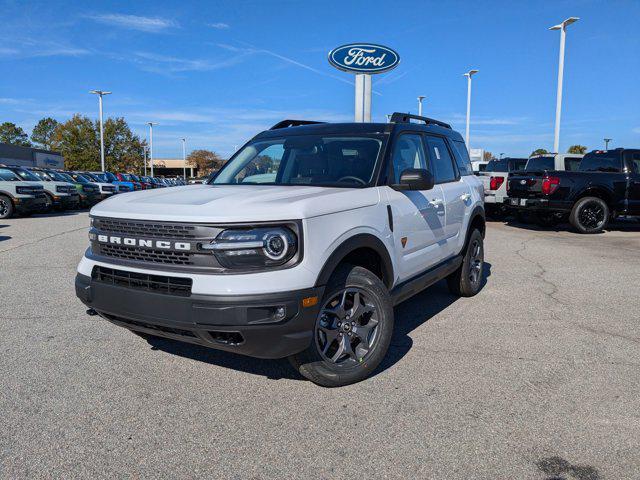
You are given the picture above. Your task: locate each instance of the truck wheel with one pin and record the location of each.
(589, 215)
(352, 332)
(467, 280)
(6, 207)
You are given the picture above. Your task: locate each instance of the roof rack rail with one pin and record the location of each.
(398, 117)
(292, 123)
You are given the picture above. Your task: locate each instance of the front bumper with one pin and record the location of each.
(70, 201)
(30, 204)
(235, 323)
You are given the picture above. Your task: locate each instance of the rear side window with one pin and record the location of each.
(441, 161)
(540, 163)
(601, 162)
(462, 158)
(634, 161)
(572, 164)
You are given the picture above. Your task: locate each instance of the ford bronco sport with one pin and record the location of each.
(299, 247)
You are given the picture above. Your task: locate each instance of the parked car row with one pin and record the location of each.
(587, 191)
(28, 190)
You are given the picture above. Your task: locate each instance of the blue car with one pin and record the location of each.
(109, 177)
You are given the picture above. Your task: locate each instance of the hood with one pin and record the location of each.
(234, 203)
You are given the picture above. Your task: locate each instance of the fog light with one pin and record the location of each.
(279, 313)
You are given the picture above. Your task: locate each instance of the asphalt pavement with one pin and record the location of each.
(537, 377)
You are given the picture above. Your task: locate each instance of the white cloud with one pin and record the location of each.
(636, 130)
(219, 25)
(25, 47)
(135, 22)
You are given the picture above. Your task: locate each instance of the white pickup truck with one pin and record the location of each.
(299, 247)
(494, 179)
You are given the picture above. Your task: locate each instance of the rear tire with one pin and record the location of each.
(466, 281)
(589, 215)
(6, 207)
(353, 330)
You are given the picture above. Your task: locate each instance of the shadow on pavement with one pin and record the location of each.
(409, 315)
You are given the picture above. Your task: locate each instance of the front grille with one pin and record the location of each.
(163, 284)
(144, 229)
(159, 328)
(144, 255)
(108, 188)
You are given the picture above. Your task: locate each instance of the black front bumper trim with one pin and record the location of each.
(245, 324)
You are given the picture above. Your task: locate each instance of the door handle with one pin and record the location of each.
(465, 196)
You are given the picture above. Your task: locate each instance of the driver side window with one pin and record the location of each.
(408, 152)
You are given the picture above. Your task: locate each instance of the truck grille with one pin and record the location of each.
(147, 255)
(143, 228)
(163, 284)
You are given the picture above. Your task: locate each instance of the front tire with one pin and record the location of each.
(352, 332)
(6, 207)
(466, 281)
(589, 215)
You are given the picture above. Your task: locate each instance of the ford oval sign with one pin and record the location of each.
(364, 58)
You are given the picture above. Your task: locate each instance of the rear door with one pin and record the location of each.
(457, 194)
(632, 158)
(418, 216)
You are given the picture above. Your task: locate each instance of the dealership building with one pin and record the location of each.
(172, 167)
(29, 157)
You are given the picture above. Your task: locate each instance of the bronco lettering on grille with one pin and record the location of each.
(145, 243)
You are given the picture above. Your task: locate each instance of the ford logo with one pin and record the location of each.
(364, 58)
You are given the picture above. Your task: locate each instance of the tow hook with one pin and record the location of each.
(91, 312)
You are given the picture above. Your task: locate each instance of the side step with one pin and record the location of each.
(425, 279)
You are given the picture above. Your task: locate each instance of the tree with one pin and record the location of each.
(78, 140)
(14, 135)
(488, 156)
(42, 133)
(539, 151)
(206, 161)
(577, 149)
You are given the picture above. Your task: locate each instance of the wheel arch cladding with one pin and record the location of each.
(364, 250)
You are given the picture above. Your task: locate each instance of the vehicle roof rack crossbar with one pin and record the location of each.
(398, 117)
(292, 123)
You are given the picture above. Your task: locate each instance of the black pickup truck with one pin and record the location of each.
(606, 185)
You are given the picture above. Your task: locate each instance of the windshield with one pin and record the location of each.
(110, 177)
(27, 175)
(67, 177)
(8, 176)
(79, 178)
(540, 163)
(57, 176)
(90, 176)
(497, 166)
(333, 161)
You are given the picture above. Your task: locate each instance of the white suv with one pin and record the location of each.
(299, 247)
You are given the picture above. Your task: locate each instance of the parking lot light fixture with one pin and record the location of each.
(151, 124)
(469, 74)
(606, 143)
(563, 33)
(420, 98)
(100, 94)
(184, 159)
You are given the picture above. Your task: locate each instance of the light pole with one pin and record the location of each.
(184, 159)
(469, 74)
(151, 124)
(144, 152)
(100, 93)
(606, 143)
(420, 98)
(563, 33)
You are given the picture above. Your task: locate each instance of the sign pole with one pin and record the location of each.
(359, 97)
(367, 99)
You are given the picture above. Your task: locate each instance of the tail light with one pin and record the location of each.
(495, 182)
(550, 185)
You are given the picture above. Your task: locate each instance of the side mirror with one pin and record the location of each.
(415, 179)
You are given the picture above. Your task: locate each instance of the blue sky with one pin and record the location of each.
(217, 72)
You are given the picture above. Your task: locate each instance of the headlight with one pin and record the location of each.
(254, 247)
